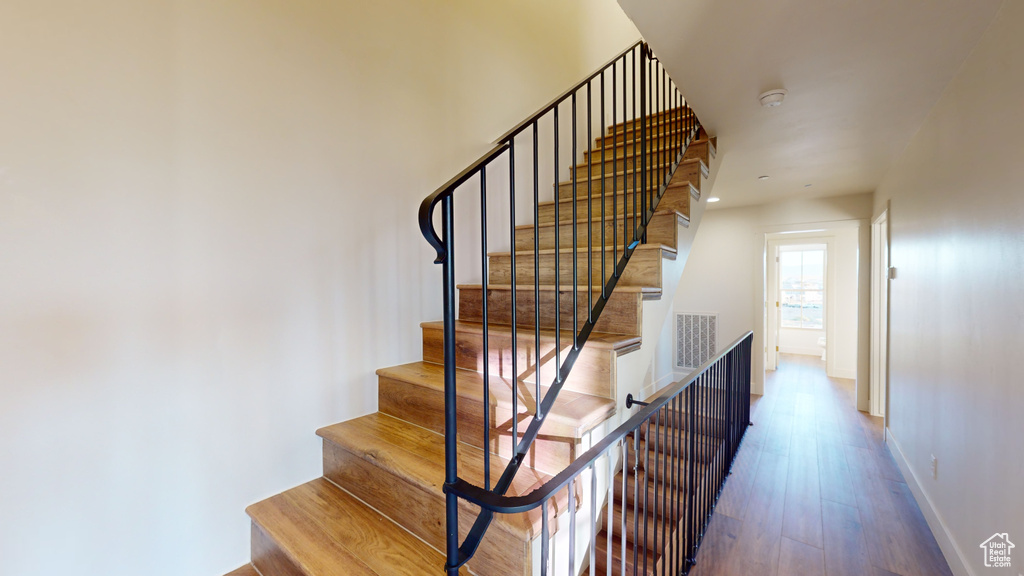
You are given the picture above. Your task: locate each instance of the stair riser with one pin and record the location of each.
(661, 230)
(644, 269)
(667, 118)
(706, 425)
(616, 207)
(657, 161)
(624, 157)
(631, 531)
(691, 171)
(425, 407)
(670, 134)
(423, 512)
(632, 494)
(621, 314)
(593, 373)
(602, 559)
(268, 557)
(703, 452)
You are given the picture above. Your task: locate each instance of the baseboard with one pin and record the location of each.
(954, 556)
(847, 374)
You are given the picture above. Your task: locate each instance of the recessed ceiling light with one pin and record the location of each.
(765, 177)
(714, 199)
(773, 98)
(807, 185)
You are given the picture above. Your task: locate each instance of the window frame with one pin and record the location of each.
(801, 249)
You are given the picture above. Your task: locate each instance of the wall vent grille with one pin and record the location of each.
(696, 338)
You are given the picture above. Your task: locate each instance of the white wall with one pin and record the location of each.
(956, 307)
(725, 269)
(208, 244)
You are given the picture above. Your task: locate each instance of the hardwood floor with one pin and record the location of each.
(814, 490)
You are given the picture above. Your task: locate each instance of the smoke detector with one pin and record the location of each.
(773, 98)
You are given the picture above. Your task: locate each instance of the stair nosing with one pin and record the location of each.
(551, 288)
(549, 251)
(703, 169)
(661, 212)
(577, 426)
(620, 341)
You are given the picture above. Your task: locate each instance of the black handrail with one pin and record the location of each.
(650, 178)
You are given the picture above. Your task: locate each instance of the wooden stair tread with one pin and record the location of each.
(572, 415)
(602, 556)
(645, 290)
(247, 570)
(677, 111)
(417, 455)
(617, 342)
(609, 174)
(619, 137)
(325, 531)
(667, 250)
(659, 212)
(608, 157)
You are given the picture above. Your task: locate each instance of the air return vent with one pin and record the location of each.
(696, 339)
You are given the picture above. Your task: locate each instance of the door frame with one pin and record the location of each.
(774, 242)
(880, 314)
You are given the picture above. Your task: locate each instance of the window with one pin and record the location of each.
(802, 287)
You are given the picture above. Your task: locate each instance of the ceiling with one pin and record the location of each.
(861, 75)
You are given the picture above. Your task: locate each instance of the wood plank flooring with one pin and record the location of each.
(814, 490)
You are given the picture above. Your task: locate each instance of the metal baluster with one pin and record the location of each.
(622, 510)
(633, 138)
(666, 485)
(575, 240)
(450, 414)
(657, 476)
(558, 270)
(544, 537)
(643, 140)
(625, 161)
(590, 206)
(515, 340)
(572, 525)
(486, 332)
(604, 206)
(536, 270)
(615, 177)
(593, 514)
(677, 516)
(647, 466)
(691, 518)
(663, 126)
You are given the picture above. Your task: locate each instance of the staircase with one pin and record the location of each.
(379, 506)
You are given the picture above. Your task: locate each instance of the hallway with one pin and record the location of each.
(814, 490)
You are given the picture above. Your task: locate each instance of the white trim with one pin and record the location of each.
(879, 313)
(954, 556)
(845, 374)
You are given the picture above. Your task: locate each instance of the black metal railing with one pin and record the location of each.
(652, 127)
(680, 447)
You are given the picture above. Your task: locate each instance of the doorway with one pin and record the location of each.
(800, 300)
